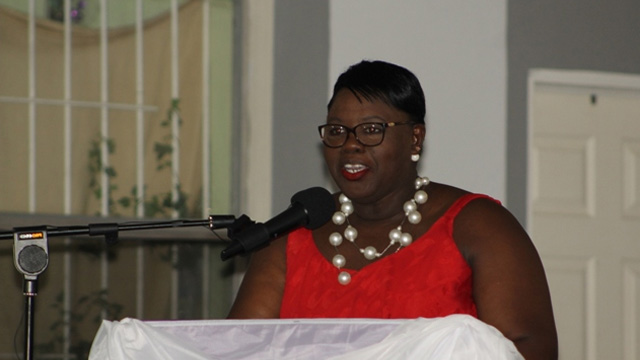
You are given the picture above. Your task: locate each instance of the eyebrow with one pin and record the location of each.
(370, 118)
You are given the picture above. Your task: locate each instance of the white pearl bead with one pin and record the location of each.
(344, 278)
(418, 183)
(343, 198)
(339, 261)
(370, 253)
(339, 218)
(394, 235)
(406, 239)
(350, 233)
(409, 206)
(414, 217)
(421, 197)
(335, 239)
(347, 208)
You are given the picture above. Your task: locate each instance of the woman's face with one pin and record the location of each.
(368, 173)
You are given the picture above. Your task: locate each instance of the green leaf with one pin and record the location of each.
(162, 150)
(125, 201)
(110, 171)
(111, 145)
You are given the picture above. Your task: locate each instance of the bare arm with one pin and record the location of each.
(260, 294)
(509, 284)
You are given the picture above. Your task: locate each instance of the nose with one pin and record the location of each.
(351, 142)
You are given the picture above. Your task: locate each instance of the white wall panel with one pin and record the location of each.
(458, 51)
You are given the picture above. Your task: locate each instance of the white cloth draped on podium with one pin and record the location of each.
(452, 337)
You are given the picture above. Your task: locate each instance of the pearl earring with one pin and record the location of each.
(415, 157)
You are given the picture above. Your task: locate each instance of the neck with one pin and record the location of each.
(389, 207)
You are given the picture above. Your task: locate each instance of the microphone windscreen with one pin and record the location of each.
(318, 204)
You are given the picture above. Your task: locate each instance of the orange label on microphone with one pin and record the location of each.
(31, 236)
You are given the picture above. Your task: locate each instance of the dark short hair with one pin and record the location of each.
(389, 83)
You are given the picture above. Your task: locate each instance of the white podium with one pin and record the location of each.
(453, 337)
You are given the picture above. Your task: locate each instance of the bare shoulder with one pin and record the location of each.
(441, 197)
(485, 225)
(481, 218)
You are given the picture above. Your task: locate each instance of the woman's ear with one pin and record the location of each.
(419, 133)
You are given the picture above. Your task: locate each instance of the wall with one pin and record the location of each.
(473, 62)
(456, 49)
(300, 82)
(586, 35)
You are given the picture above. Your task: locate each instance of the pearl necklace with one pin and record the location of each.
(396, 236)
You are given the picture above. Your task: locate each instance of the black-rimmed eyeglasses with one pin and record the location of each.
(367, 134)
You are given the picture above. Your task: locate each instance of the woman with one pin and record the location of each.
(400, 246)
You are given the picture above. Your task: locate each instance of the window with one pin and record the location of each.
(109, 115)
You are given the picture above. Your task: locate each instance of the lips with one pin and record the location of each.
(354, 172)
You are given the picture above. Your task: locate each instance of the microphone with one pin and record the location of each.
(310, 208)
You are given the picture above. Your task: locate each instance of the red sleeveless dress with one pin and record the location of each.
(429, 278)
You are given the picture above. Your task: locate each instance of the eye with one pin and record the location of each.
(371, 129)
(335, 130)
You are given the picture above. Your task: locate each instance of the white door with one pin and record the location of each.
(584, 207)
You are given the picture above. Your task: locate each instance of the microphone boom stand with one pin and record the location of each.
(31, 253)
